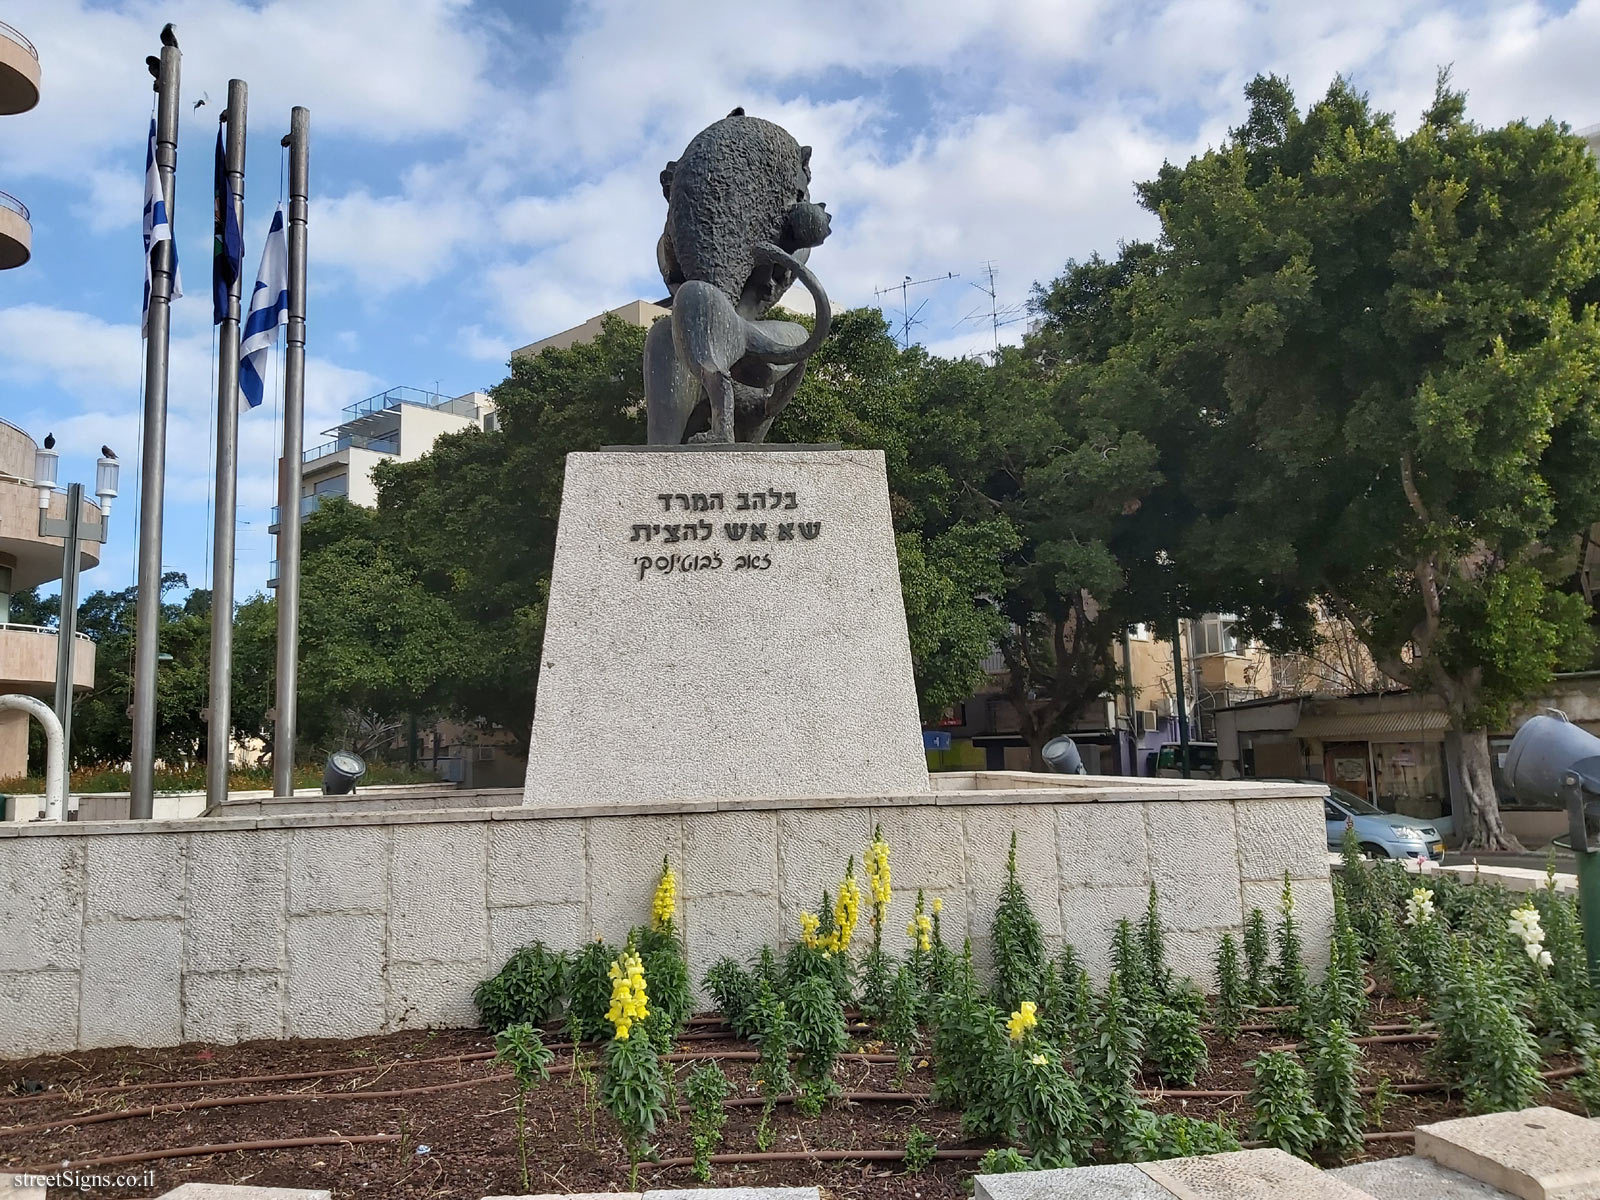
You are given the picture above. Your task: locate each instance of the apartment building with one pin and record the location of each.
(19, 92)
(28, 652)
(397, 425)
(640, 313)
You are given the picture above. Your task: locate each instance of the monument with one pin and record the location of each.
(725, 617)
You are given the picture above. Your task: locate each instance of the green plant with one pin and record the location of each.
(1383, 1097)
(1334, 1066)
(1017, 942)
(1108, 1060)
(970, 1048)
(1153, 944)
(1049, 1108)
(1485, 1045)
(520, 1048)
(671, 998)
(774, 1035)
(1585, 1086)
(1129, 962)
(705, 1090)
(1003, 1160)
(900, 1028)
(527, 990)
(734, 990)
(1229, 1012)
(1256, 949)
(812, 1096)
(920, 1149)
(634, 1091)
(1169, 1135)
(876, 981)
(819, 1029)
(764, 968)
(589, 992)
(1173, 1044)
(1290, 983)
(1284, 1114)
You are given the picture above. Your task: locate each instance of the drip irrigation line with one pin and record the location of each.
(1379, 1040)
(815, 1156)
(222, 1081)
(850, 1097)
(356, 1139)
(266, 1098)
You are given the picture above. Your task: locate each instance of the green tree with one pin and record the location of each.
(1371, 371)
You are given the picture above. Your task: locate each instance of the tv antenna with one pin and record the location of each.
(908, 316)
(997, 313)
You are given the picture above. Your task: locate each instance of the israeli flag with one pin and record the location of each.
(157, 228)
(269, 308)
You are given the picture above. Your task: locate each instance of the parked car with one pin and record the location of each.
(1380, 834)
(1203, 761)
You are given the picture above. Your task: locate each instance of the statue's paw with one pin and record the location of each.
(706, 438)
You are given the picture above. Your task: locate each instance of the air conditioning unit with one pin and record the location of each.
(1165, 707)
(1146, 720)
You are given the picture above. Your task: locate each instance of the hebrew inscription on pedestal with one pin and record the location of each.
(724, 624)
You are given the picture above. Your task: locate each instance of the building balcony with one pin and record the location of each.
(16, 232)
(33, 560)
(19, 72)
(378, 445)
(308, 505)
(28, 660)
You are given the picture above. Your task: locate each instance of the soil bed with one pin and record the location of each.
(461, 1142)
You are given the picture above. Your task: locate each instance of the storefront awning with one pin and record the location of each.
(1424, 725)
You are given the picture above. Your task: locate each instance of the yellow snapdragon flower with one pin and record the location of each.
(846, 913)
(629, 1000)
(665, 902)
(1024, 1019)
(809, 924)
(920, 930)
(938, 905)
(877, 860)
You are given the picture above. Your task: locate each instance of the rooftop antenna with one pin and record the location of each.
(998, 314)
(908, 316)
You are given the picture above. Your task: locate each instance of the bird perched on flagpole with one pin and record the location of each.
(107, 452)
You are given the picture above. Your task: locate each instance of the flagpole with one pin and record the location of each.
(220, 714)
(152, 482)
(289, 476)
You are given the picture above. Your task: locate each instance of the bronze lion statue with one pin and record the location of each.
(740, 226)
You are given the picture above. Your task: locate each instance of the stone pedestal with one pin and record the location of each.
(724, 622)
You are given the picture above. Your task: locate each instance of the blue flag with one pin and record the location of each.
(157, 228)
(269, 308)
(227, 254)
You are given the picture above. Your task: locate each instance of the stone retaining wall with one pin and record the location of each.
(342, 924)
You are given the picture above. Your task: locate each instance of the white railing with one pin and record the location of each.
(9, 626)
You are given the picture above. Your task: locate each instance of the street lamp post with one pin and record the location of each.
(73, 531)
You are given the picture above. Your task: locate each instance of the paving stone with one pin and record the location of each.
(1248, 1175)
(1412, 1178)
(1538, 1153)
(233, 1191)
(12, 1187)
(1123, 1181)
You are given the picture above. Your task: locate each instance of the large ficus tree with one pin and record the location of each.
(1374, 364)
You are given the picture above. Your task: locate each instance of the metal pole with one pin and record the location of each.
(1177, 677)
(219, 716)
(67, 622)
(294, 382)
(152, 482)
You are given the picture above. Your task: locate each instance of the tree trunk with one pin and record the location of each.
(1485, 830)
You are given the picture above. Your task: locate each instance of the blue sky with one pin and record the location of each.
(485, 174)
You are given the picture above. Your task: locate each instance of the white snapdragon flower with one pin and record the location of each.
(1419, 907)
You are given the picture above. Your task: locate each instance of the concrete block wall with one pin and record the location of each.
(344, 924)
